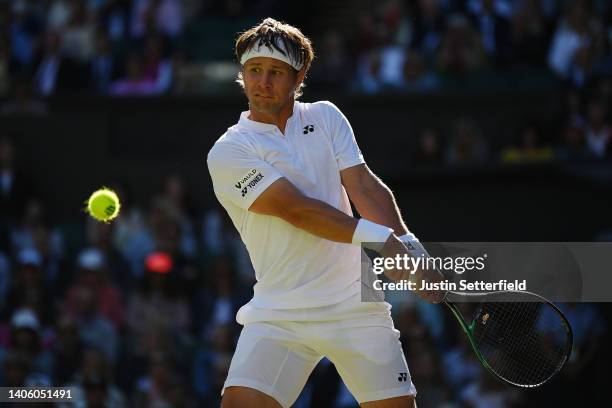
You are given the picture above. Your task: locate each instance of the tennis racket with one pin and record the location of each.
(520, 337)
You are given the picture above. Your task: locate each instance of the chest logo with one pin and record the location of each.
(308, 129)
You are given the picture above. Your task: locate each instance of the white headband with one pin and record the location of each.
(263, 51)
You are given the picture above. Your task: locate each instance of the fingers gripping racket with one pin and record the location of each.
(520, 337)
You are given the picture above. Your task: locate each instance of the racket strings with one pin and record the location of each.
(525, 343)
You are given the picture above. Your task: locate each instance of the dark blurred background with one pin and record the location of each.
(490, 120)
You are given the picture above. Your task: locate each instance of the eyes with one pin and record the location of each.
(259, 70)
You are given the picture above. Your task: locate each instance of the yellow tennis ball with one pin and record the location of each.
(103, 205)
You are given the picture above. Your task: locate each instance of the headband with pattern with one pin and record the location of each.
(261, 50)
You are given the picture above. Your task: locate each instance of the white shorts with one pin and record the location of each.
(277, 358)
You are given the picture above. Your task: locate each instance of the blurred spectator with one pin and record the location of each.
(26, 339)
(211, 364)
(397, 21)
(157, 67)
(459, 364)
(467, 145)
(425, 365)
(96, 392)
(100, 236)
(128, 230)
(49, 245)
(25, 28)
(93, 275)
(158, 303)
(176, 202)
(114, 16)
(67, 350)
(430, 151)
(368, 73)
(78, 36)
(17, 371)
(150, 16)
(529, 35)
(333, 64)
(571, 35)
(367, 34)
(488, 392)
(588, 330)
(221, 238)
(138, 235)
(14, 185)
(135, 82)
(29, 288)
(213, 232)
(176, 194)
(218, 300)
(162, 386)
(598, 129)
(102, 65)
(33, 233)
(428, 26)
(491, 19)
(392, 59)
(96, 330)
(529, 149)
(416, 77)
(170, 230)
(461, 51)
(57, 73)
(93, 383)
(60, 12)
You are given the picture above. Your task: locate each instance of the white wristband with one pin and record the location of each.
(367, 231)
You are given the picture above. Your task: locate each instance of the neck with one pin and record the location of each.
(278, 118)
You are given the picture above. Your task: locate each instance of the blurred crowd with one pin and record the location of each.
(154, 47)
(140, 312)
(427, 45)
(137, 313)
(149, 47)
(576, 130)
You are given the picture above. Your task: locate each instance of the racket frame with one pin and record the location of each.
(468, 328)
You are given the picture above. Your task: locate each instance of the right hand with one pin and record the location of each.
(393, 247)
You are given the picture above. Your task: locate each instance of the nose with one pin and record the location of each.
(266, 80)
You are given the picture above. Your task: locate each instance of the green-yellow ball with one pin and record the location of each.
(104, 205)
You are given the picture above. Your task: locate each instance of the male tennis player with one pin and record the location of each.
(285, 173)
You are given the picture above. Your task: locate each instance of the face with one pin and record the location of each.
(269, 84)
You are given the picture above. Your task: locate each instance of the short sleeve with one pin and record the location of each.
(238, 175)
(344, 144)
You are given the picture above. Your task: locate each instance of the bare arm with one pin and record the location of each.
(282, 199)
(372, 198)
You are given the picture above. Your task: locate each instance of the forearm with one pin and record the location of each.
(378, 205)
(323, 220)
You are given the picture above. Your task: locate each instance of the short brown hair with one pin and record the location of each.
(271, 32)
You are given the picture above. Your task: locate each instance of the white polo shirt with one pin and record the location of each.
(295, 270)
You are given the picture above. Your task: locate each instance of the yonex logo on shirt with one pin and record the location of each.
(308, 129)
(245, 178)
(402, 377)
(252, 184)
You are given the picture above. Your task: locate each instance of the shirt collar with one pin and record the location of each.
(266, 127)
